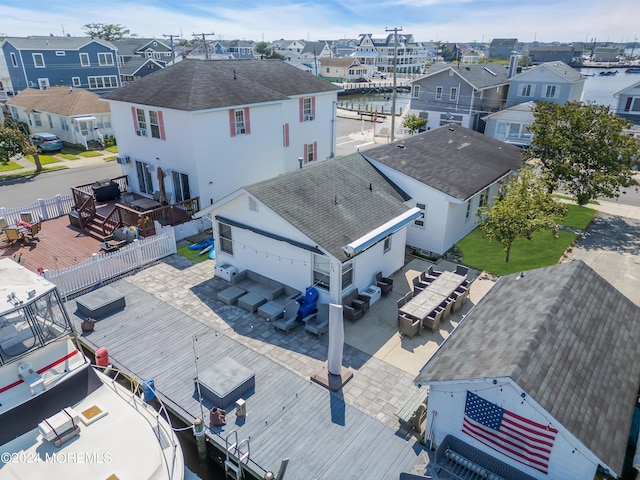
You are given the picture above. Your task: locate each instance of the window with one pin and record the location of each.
(321, 275)
(154, 123)
(514, 130)
(144, 177)
(60, 53)
(38, 60)
(285, 135)
(468, 214)
(310, 154)
(105, 59)
(307, 109)
(226, 239)
(14, 60)
(419, 222)
(43, 83)
(438, 93)
(634, 105)
(453, 93)
(526, 90)
(14, 113)
(181, 186)
(76, 81)
(142, 121)
(50, 120)
(484, 197)
(253, 205)
(108, 81)
(551, 91)
(64, 124)
(240, 128)
(415, 93)
(347, 275)
(84, 59)
(387, 244)
(37, 120)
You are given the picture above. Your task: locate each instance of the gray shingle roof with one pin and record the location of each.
(306, 199)
(54, 43)
(563, 69)
(203, 84)
(454, 160)
(129, 46)
(568, 338)
(480, 76)
(135, 64)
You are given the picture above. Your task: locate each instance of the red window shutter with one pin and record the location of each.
(247, 121)
(161, 125)
(627, 106)
(232, 122)
(313, 106)
(315, 150)
(304, 155)
(286, 134)
(302, 110)
(135, 118)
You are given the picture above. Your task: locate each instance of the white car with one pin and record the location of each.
(379, 75)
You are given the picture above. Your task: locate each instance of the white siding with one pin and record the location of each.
(570, 459)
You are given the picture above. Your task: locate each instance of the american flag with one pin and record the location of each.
(525, 441)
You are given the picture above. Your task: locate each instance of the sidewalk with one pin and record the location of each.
(613, 208)
(29, 166)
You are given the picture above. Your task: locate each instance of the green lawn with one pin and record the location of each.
(110, 158)
(541, 251)
(9, 166)
(68, 156)
(44, 159)
(72, 150)
(191, 254)
(113, 149)
(89, 153)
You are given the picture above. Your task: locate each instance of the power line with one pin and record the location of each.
(204, 42)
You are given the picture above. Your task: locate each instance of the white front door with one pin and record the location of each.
(86, 129)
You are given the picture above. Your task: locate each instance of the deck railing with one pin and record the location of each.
(101, 268)
(48, 209)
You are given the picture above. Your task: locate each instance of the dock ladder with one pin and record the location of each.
(237, 455)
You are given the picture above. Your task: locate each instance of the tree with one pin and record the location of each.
(583, 150)
(262, 48)
(414, 123)
(107, 31)
(526, 207)
(14, 142)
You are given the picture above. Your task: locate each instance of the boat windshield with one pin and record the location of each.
(32, 325)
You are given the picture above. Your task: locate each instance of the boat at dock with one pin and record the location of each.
(608, 73)
(60, 416)
(632, 70)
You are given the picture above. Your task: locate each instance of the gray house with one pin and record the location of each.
(511, 125)
(550, 82)
(503, 48)
(461, 94)
(629, 103)
(569, 54)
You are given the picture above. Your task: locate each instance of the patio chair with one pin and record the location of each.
(13, 235)
(289, 318)
(462, 270)
(432, 320)
(418, 285)
(318, 323)
(447, 305)
(409, 326)
(3, 223)
(26, 217)
(385, 283)
(307, 302)
(460, 294)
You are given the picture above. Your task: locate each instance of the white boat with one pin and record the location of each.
(59, 416)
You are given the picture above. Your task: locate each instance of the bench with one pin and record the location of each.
(413, 412)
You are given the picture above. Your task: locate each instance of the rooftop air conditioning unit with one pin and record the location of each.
(308, 116)
(142, 132)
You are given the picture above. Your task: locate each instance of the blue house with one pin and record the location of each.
(42, 62)
(554, 82)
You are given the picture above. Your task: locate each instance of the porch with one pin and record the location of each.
(104, 206)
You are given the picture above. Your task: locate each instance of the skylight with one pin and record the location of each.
(491, 72)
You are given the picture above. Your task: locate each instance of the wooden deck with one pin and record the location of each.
(61, 245)
(288, 416)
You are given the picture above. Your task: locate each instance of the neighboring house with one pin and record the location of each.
(459, 94)
(343, 47)
(42, 62)
(569, 54)
(503, 48)
(317, 50)
(216, 126)
(76, 115)
(547, 356)
(239, 49)
(6, 89)
(287, 47)
(629, 103)
(447, 173)
(511, 125)
(377, 51)
(344, 69)
(138, 48)
(309, 59)
(137, 68)
(553, 82)
(332, 225)
(606, 54)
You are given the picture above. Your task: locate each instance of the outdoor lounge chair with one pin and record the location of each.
(289, 318)
(318, 323)
(432, 320)
(408, 325)
(385, 283)
(13, 235)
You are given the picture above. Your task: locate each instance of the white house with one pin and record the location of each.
(380, 51)
(550, 82)
(75, 115)
(511, 125)
(541, 375)
(447, 173)
(332, 225)
(629, 103)
(216, 126)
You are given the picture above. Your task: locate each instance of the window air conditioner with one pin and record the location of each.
(123, 159)
(142, 132)
(308, 116)
(241, 130)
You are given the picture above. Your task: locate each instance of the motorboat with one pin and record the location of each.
(632, 70)
(62, 417)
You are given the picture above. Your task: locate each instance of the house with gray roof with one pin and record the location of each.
(333, 225)
(511, 125)
(136, 68)
(447, 173)
(42, 62)
(138, 48)
(215, 126)
(459, 94)
(542, 374)
(569, 54)
(628, 106)
(503, 48)
(554, 82)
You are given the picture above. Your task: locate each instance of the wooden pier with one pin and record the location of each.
(287, 416)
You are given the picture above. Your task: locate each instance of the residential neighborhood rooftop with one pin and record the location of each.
(478, 75)
(53, 43)
(61, 101)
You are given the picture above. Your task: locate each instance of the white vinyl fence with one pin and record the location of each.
(103, 267)
(46, 209)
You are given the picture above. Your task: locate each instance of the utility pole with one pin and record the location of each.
(204, 42)
(173, 49)
(395, 31)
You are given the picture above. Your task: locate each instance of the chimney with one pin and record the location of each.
(513, 65)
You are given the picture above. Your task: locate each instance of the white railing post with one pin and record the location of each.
(42, 206)
(58, 202)
(96, 261)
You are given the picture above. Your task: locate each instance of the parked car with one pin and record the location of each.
(46, 142)
(380, 75)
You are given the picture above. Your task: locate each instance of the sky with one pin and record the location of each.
(268, 20)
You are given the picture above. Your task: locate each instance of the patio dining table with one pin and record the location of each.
(145, 204)
(431, 297)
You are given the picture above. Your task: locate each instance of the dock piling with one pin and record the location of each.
(201, 444)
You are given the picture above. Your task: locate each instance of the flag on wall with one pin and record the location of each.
(525, 441)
